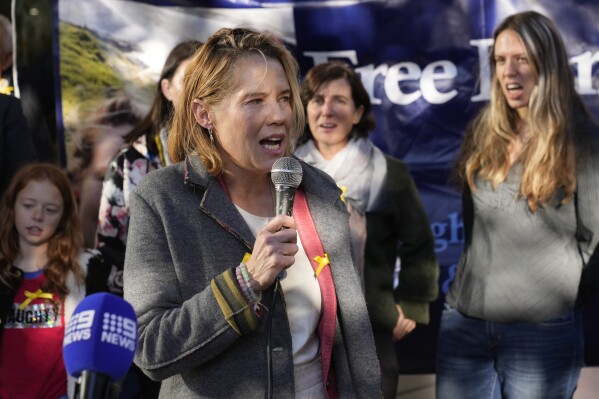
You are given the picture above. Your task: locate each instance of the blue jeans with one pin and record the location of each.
(478, 359)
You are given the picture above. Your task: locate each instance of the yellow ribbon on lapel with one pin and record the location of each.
(35, 295)
(246, 257)
(343, 190)
(5, 87)
(322, 262)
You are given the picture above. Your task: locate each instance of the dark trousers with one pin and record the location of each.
(385, 350)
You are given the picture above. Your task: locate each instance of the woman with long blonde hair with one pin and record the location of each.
(528, 167)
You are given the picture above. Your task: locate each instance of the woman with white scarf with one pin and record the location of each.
(387, 218)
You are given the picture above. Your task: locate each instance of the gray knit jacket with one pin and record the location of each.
(184, 235)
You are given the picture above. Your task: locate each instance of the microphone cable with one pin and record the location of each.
(268, 335)
(286, 175)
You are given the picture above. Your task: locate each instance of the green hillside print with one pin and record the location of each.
(93, 69)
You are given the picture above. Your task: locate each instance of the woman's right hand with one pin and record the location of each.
(274, 251)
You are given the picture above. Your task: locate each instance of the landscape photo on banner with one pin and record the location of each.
(424, 64)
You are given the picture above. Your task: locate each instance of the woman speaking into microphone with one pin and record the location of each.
(206, 249)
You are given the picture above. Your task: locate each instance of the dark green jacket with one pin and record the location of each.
(399, 228)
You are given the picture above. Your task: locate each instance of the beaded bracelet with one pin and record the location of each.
(242, 283)
(251, 297)
(248, 291)
(246, 276)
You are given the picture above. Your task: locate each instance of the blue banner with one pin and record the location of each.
(424, 64)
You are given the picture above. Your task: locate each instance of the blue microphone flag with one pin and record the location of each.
(101, 336)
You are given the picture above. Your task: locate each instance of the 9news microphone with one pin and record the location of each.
(99, 344)
(286, 175)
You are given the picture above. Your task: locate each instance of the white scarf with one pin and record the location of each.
(361, 170)
(360, 167)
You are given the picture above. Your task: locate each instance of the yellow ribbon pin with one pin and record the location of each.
(343, 190)
(35, 295)
(5, 87)
(246, 257)
(322, 262)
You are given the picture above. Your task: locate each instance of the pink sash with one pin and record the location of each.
(326, 327)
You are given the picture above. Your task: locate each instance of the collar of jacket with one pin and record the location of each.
(321, 193)
(196, 176)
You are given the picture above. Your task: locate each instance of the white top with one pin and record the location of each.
(302, 299)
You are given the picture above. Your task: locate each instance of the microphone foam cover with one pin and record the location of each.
(101, 336)
(286, 171)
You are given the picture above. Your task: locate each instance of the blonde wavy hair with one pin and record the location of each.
(209, 77)
(554, 107)
(63, 247)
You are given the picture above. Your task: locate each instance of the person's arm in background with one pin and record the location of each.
(97, 269)
(419, 270)
(113, 222)
(16, 148)
(403, 223)
(587, 200)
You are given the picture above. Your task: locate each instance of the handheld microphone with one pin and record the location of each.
(99, 343)
(286, 175)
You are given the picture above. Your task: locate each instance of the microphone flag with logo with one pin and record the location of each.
(101, 337)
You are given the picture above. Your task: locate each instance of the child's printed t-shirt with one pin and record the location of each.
(31, 363)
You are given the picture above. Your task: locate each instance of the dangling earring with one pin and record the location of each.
(211, 136)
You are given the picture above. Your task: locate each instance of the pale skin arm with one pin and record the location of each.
(403, 326)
